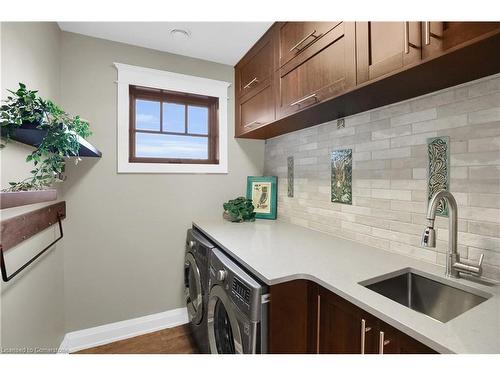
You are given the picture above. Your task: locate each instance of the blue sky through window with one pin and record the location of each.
(147, 115)
(171, 146)
(198, 120)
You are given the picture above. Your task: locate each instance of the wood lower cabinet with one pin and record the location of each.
(306, 318)
(319, 72)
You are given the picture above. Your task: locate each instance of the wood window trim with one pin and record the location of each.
(187, 99)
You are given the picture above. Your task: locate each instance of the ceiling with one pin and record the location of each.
(222, 42)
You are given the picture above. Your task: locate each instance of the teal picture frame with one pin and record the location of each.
(263, 191)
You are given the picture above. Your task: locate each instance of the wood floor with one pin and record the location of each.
(176, 340)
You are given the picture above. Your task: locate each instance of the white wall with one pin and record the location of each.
(124, 242)
(32, 309)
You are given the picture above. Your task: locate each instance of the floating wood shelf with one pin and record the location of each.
(22, 198)
(19, 228)
(29, 134)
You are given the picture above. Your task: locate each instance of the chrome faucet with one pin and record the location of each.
(453, 264)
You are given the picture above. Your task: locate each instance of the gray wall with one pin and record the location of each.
(389, 173)
(32, 309)
(125, 232)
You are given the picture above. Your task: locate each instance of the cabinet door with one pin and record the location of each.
(254, 111)
(322, 71)
(383, 47)
(343, 328)
(296, 37)
(438, 37)
(256, 68)
(392, 341)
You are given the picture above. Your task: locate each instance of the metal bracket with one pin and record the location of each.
(6, 277)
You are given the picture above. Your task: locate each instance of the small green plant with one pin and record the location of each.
(239, 209)
(26, 108)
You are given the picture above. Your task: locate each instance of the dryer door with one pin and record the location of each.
(193, 291)
(223, 330)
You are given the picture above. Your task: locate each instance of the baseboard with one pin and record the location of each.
(91, 337)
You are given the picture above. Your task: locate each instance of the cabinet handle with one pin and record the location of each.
(382, 342)
(255, 80)
(318, 323)
(364, 330)
(303, 99)
(252, 123)
(427, 33)
(407, 37)
(296, 46)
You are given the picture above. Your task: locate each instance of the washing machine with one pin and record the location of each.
(237, 308)
(196, 279)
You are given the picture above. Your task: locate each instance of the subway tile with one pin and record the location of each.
(484, 228)
(433, 100)
(484, 200)
(393, 153)
(487, 115)
(412, 140)
(484, 144)
(400, 195)
(375, 145)
(413, 251)
(373, 126)
(391, 132)
(390, 111)
(475, 158)
(486, 86)
(355, 227)
(410, 118)
(469, 105)
(438, 124)
(491, 172)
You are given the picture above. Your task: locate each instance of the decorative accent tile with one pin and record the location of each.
(290, 176)
(340, 123)
(341, 184)
(438, 170)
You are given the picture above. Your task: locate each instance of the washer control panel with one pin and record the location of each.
(241, 290)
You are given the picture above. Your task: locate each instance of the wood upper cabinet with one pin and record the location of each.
(254, 76)
(319, 71)
(438, 37)
(383, 47)
(296, 37)
(301, 74)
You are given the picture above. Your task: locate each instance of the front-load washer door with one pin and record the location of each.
(223, 329)
(193, 291)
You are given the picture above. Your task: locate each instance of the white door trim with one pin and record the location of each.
(100, 335)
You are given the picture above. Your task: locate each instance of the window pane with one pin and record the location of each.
(147, 115)
(173, 118)
(170, 146)
(197, 120)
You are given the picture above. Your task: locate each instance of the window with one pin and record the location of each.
(172, 127)
(170, 123)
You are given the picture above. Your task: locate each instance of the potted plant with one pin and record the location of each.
(239, 209)
(25, 110)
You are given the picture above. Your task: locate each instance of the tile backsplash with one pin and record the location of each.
(389, 173)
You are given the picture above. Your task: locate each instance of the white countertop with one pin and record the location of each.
(276, 252)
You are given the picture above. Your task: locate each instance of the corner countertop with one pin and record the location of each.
(277, 252)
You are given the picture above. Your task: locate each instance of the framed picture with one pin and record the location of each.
(262, 190)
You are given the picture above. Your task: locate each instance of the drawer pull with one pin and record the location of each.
(296, 46)
(364, 330)
(427, 32)
(255, 80)
(303, 99)
(407, 39)
(382, 342)
(252, 123)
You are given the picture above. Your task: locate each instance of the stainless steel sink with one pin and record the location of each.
(430, 297)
